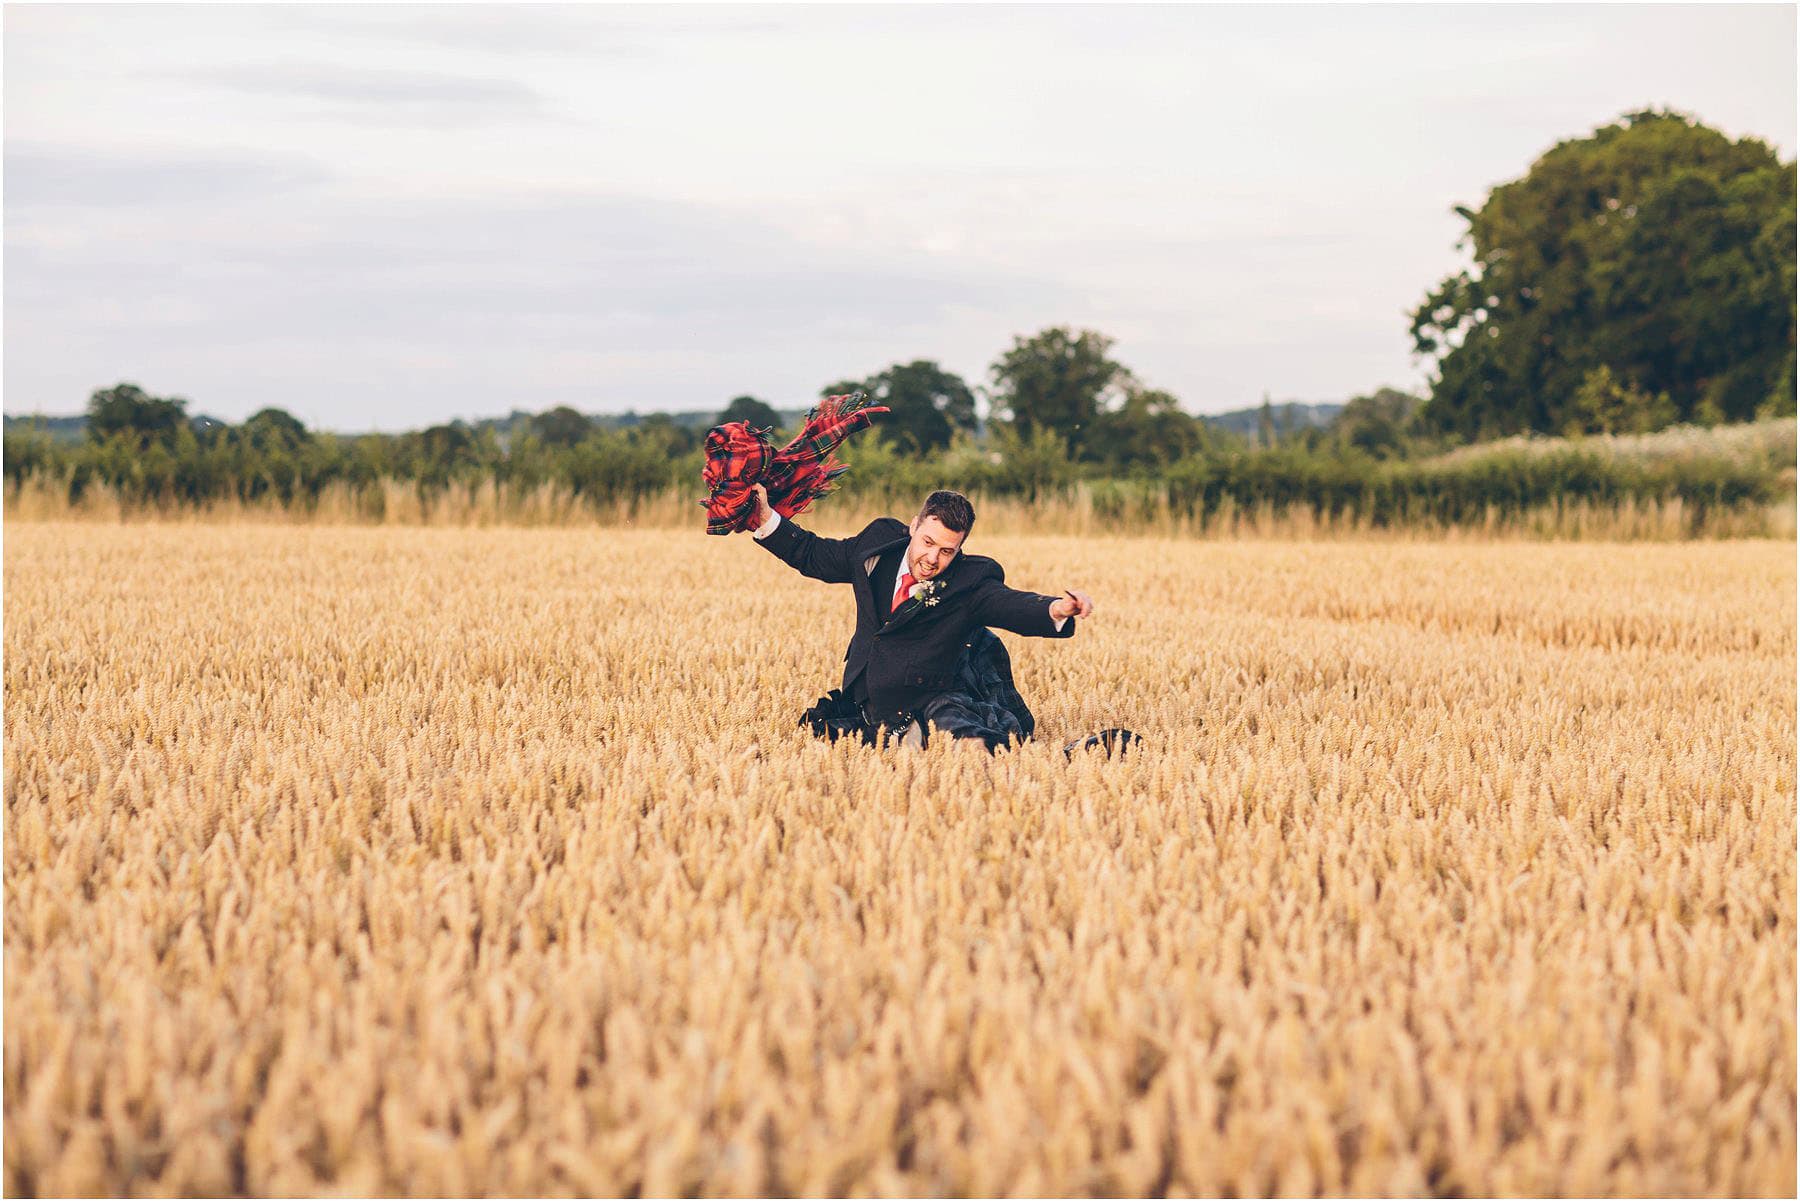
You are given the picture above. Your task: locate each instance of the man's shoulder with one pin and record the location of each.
(974, 569)
(883, 530)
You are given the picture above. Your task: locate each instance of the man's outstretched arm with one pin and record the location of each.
(827, 559)
(1029, 613)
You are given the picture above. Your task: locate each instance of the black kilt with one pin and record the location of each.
(983, 704)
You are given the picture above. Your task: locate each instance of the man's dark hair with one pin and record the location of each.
(951, 508)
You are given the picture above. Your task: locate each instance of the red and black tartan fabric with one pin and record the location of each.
(740, 456)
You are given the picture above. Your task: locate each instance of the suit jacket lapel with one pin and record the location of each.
(867, 580)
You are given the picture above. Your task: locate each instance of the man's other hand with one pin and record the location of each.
(762, 507)
(1071, 605)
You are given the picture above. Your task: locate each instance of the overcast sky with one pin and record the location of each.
(384, 217)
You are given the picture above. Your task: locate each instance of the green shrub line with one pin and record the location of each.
(1705, 470)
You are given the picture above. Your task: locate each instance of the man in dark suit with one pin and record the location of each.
(917, 598)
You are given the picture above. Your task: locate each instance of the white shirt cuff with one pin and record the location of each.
(1059, 624)
(768, 527)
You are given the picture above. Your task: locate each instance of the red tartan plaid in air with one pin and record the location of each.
(740, 456)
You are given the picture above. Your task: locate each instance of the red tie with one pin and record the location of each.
(906, 583)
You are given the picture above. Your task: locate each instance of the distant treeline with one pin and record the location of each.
(1634, 280)
(1362, 467)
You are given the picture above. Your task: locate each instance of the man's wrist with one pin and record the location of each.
(768, 526)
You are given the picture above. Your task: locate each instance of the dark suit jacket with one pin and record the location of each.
(901, 659)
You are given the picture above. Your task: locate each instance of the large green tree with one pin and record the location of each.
(748, 409)
(126, 409)
(1378, 424)
(1149, 428)
(561, 426)
(927, 405)
(1058, 380)
(275, 429)
(1656, 248)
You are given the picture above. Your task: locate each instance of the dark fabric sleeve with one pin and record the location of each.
(827, 559)
(993, 604)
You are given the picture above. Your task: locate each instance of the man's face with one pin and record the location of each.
(934, 545)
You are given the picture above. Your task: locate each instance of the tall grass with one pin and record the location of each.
(1081, 509)
(1769, 442)
(469, 862)
(1730, 482)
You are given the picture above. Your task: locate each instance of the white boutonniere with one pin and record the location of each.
(925, 590)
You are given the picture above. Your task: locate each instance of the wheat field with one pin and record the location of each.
(488, 861)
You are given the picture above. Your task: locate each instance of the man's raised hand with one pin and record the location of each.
(762, 507)
(1071, 605)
